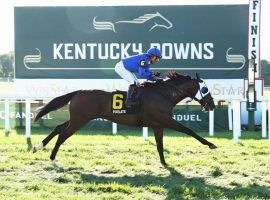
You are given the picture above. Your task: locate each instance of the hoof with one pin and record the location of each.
(212, 146)
(164, 164)
(54, 164)
(34, 149)
(38, 147)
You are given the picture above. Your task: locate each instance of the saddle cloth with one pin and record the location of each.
(118, 104)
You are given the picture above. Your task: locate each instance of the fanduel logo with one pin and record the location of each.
(192, 118)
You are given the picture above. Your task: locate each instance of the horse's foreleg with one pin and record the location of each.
(172, 124)
(57, 130)
(159, 140)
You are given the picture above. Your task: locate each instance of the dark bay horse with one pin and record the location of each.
(157, 102)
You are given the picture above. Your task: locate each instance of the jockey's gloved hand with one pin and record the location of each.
(156, 74)
(157, 79)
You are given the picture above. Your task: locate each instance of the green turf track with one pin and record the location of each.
(98, 165)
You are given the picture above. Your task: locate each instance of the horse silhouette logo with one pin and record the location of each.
(158, 20)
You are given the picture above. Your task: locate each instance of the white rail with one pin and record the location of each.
(234, 117)
(265, 107)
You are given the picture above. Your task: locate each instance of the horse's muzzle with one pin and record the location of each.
(207, 108)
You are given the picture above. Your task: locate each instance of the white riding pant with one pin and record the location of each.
(125, 74)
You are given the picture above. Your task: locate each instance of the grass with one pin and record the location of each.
(103, 166)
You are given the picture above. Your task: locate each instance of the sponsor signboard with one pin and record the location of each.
(86, 42)
(219, 88)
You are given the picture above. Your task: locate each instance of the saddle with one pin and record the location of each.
(118, 106)
(119, 98)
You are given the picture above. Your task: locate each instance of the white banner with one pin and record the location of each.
(50, 88)
(254, 34)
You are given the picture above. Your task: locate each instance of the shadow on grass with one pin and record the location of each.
(7, 133)
(29, 144)
(176, 186)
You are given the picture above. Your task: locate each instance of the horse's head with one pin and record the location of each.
(160, 21)
(195, 88)
(203, 95)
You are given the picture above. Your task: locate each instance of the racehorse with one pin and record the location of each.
(157, 102)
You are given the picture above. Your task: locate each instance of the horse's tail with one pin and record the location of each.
(55, 104)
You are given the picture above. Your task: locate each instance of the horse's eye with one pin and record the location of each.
(204, 90)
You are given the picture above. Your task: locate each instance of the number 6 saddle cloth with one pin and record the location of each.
(118, 104)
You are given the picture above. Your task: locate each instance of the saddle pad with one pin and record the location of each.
(118, 104)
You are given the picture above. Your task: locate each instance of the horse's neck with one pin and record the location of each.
(167, 90)
(174, 92)
(180, 91)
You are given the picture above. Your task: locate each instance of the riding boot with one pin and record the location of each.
(130, 100)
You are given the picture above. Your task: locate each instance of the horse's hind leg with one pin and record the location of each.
(71, 129)
(82, 109)
(57, 130)
(61, 139)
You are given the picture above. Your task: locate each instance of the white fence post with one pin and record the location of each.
(28, 118)
(230, 115)
(114, 128)
(268, 108)
(211, 123)
(7, 117)
(145, 133)
(236, 120)
(264, 122)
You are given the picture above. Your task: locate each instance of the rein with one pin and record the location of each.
(174, 88)
(180, 91)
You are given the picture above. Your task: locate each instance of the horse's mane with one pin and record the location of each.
(173, 78)
(177, 78)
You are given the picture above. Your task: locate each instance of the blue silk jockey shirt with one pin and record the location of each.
(139, 64)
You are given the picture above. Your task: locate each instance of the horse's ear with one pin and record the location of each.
(170, 74)
(198, 77)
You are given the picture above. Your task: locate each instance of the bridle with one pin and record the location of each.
(201, 94)
(202, 91)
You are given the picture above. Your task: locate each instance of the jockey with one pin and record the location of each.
(138, 64)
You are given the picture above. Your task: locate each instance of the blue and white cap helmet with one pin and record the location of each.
(154, 51)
